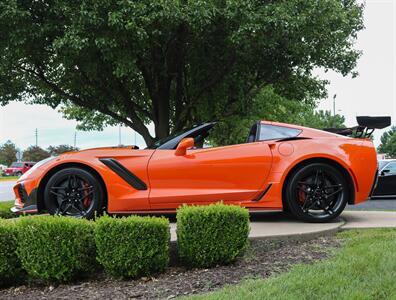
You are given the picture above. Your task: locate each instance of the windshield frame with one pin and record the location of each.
(173, 140)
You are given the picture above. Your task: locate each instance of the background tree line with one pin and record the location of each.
(8, 152)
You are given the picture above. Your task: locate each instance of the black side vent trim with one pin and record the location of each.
(124, 173)
(262, 194)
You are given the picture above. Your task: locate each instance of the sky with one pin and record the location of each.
(372, 93)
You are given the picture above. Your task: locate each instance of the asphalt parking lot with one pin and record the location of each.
(387, 204)
(6, 192)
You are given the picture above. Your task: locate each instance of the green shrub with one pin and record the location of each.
(56, 249)
(132, 246)
(211, 235)
(5, 210)
(10, 267)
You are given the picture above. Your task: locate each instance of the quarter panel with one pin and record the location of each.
(356, 156)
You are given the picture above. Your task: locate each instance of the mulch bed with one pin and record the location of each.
(263, 259)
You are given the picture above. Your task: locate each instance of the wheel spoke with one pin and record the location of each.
(85, 196)
(334, 192)
(316, 181)
(57, 194)
(85, 188)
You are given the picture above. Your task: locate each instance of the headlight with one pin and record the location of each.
(36, 166)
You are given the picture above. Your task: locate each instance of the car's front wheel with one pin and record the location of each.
(317, 192)
(73, 192)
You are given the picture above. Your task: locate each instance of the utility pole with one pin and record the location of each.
(334, 113)
(119, 135)
(334, 100)
(135, 139)
(75, 139)
(36, 134)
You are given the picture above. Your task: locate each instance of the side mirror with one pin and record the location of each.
(183, 146)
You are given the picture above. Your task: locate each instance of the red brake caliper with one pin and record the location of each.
(301, 195)
(87, 200)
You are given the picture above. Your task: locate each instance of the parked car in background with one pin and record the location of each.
(386, 186)
(18, 168)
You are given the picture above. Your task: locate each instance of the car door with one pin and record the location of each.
(387, 181)
(232, 174)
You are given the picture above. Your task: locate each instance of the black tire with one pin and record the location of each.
(74, 192)
(19, 174)
(317, 192)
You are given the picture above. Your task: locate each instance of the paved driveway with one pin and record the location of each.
(388, 204)
(6, 192)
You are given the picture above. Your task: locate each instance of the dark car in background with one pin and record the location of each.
(18, 168)
(386, 186)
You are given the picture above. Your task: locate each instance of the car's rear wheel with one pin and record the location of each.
(317, 192)
(73, 192)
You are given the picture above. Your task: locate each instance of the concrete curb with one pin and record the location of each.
(302, 237)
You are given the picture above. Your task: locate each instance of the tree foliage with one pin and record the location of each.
(388, 143)
(57, 150)
(268, 105)
(8, 153)
(322, 119)
(35, 153)
(170, 62)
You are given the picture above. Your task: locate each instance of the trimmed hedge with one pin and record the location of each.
(211, 235)
(56, 249)
(10, 266)
(5, 210)
(134, 246)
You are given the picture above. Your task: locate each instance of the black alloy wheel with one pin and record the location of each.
(317, 192)
(73, 192)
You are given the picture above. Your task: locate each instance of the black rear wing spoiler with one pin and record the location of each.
(365, 128)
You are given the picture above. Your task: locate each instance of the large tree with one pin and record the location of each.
(322, 119)
(8, 152)
(170, 62)
(388, 143)
(57, 150)
(35, 153)
(267, 105)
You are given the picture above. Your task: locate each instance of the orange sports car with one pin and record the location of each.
(311, 173)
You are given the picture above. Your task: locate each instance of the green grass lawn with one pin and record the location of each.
(6, 178)
(364, 268)
(5, 209)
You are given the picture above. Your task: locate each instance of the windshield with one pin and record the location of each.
(382, 163)
(162, 141)
(16, 165)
